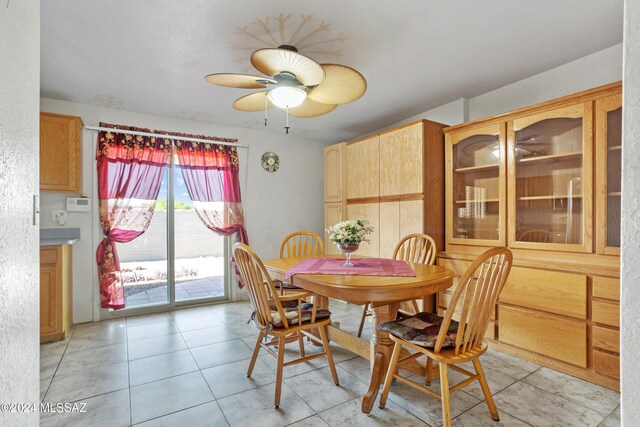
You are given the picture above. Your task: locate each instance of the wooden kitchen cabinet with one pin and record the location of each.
(363, 169)
(55, 292)
(560, 306)
(60, 153)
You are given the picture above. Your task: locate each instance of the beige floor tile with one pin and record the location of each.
(314, 421)
(147, 319)
(256, 408)
(587, 394)
(318, 390)
(82, 385)
(44, 386)
(207, 415)
(541, 408)
(48, 366)
(507, 364)
(78, 361)
(231, 378)
(108, 410)
(349, 414)
(199, 320)
(428, 408)
(155, 346)
(161, 366)
(479, 416)
(151, 330)
(220, 353)
(56, 348)
(215, 334)
(166, 396)
(613, 420)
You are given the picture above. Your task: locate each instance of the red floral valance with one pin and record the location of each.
(128, 148)
(204, 154)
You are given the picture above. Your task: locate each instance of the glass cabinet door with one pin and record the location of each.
(608, 113)
(550, 157)
(476, 190)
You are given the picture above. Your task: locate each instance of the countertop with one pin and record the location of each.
(59, 236)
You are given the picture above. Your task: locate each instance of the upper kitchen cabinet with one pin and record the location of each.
(475, 195)
(363, 168)
(608, 113)
(60, 153)
(334, 163)
(401, 161)
(550, 179)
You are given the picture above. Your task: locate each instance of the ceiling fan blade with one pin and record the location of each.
(241, 81)
(310, 108)
(341, 85)
(274, 61)
(254, 102)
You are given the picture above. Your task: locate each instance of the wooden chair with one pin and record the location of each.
(416, 248)
(285, 318)
(542, 236)
(300, 244)
(451, 342)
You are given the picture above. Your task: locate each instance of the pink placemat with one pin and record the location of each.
(362, 267)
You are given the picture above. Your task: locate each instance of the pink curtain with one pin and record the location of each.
(130, 170)
(210, 172)
(211, 175)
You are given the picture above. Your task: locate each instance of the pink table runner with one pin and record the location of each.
(362, 267)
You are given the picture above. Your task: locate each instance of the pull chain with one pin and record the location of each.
(266, 108)
(287, 126)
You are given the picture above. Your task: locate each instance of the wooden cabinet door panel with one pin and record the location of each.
(606, 339)
(48, 299)
(60, 153)
(371, 213)
(607, 364)
(607, 313)
(401, 158)
(332, 216)
(548, 335)
(411, 219)
(606, 287)
(552, 291)
(333, 179)
(363, 169)
(389, 228)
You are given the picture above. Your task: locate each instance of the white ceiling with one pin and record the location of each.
(151, 55)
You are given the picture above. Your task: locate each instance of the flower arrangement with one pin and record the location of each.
(350, 232)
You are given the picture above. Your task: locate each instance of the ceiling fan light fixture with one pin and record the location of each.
(287, 97)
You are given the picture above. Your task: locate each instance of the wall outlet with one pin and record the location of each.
(59, 217)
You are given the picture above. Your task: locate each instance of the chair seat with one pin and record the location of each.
(291, 312)
(421, 329)
(285, 285)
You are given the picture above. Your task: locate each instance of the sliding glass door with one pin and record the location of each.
(177, 261)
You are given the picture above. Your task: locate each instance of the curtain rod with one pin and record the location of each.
(159, 135)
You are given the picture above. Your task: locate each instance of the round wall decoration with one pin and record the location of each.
(270, 161)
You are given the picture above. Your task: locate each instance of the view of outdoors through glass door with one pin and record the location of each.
(199, 258)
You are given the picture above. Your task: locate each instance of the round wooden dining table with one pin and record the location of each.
(384, 293)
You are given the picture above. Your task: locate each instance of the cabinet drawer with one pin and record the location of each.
(606, 339)
(551, 291)
(607, 364)
(455, 265)
(548, 335)
(607, 313)
(444, 301)
(49, 256)
(606, 287)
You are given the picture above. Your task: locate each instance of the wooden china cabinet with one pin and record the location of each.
(545, 181)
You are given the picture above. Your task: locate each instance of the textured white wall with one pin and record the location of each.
(630, 275)
(19, 257)
(585, 73)
(275, 204)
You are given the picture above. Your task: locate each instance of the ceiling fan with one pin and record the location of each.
(295, 83)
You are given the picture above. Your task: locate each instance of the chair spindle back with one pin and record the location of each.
(476, 294)
(301, 244)
(416, 248)
(259, 285)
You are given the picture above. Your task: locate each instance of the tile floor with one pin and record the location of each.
(188, 367)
